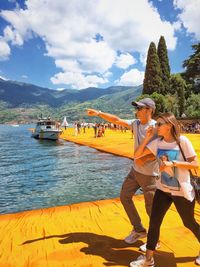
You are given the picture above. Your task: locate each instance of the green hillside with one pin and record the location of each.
(117, 101)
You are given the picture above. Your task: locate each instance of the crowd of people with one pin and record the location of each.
(190, 127)
(99, 128)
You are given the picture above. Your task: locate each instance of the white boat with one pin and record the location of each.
(47, 129)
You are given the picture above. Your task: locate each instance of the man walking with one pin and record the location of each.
(140, 175)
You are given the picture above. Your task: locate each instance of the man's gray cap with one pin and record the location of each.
(145, 102)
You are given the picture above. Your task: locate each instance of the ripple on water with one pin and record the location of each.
(37, 174)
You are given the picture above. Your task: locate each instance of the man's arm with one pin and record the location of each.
(108, 117)
(142, 153)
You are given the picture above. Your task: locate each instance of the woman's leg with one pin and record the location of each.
(161, 203)
(185, 209)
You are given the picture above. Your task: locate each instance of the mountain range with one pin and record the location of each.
(16, 96)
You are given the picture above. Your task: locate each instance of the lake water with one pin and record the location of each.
(36, 174)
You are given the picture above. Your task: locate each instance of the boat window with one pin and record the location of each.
(46, 123)
(50, 123)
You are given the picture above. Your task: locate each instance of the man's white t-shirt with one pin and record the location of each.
(173, 180)
(139, 130)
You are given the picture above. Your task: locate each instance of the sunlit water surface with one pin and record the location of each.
(36, 174)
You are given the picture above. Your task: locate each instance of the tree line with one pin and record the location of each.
(178, 93)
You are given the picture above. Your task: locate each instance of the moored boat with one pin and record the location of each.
(47, 129)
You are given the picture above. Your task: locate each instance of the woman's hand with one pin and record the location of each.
(150, 133)
(167, 164)
(164, 164)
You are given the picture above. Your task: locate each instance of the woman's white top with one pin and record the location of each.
(173, 180)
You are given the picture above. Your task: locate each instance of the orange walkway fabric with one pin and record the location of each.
(90, 234)
(115, 142)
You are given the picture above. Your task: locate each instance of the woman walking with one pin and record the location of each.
(173, 185)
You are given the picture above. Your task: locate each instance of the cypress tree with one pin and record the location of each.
(153, 76)
(181, 100)
(192, 65)
(164, 64)
(178, 86)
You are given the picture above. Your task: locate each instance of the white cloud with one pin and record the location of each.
(125, 60)
(68, 65)
(24, 76)
(88, 56)
(4, 50)
(133, 77)
(133, 25)
(107, 74)
(19, 21)
(190, 15)
(13, 36)
(177, 25)
(143, 58)
(77, 80)
(68, 30)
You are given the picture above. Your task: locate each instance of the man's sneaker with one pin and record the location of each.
(134, 236)
(142, 262)
(143, 248)
(197, 261)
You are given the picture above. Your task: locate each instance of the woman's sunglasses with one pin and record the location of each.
(160, 123)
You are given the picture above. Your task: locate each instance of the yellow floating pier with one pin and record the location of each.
(91, 233)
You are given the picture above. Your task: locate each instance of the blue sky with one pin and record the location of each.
(82, 43)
